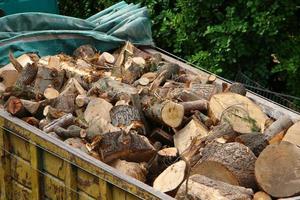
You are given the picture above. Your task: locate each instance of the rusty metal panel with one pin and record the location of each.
(20, 171)
(88, 183)
(83, 196)
(54, 165)
(20, 147)
(19, 192)
(53, 187)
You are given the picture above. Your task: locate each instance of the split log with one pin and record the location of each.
(189, 106)
(237, 88)
(150, 76)
(97, 107)
(135, 170)
(31, 106)
(32, 121)
(162, 136)
(166, 112)
(224, 130)
(281, 124)
(231, 163)
(66, 100)
(201, 187)
(127, 146)
(133, 69)
(277, 169)
(223, 101)
(204, 91)
(50, 75)
(255, 141)
(51, 93)
(15, 107)
(182, 94)
(99, 126)
(44, 122)
(82, 100)
(261, 196)
(171, 178)
(184, 137)
(115, 90)
(293, 134)
(203, 118)
(63, 122)
(71, 132)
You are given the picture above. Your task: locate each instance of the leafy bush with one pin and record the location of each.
(259, 38)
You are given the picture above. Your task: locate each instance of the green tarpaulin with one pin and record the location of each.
(49, 34)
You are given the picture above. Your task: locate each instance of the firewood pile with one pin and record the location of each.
(184, 134)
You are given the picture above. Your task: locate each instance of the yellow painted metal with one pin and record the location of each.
(105, 190)
(71, 181)
(118, 194)
(6, 185)
(35, 175)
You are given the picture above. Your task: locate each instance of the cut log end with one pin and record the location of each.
(51, 93)
(172, 114)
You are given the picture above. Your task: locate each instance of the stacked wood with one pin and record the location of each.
(181, 132)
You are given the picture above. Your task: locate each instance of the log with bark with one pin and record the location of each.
(201, 187)
(261, 196)
(293, 134)
(232, 163)
(135, 170)
(97, 107)
(277, 169)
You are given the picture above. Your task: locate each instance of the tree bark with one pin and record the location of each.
(15, 107)
(134, 67)
(189, 106)
(162, 136)
(255, 141)
(237, 88)
(232, 163)
(278, 126)
(201, 187)
(128, 146)
(277, 169)
(204, 91)
(32, 121)
(63, 122)
(71, 132)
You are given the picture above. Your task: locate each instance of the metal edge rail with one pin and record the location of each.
(268, 104)
(79, 159)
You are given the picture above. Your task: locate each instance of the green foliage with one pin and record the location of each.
(224, 36)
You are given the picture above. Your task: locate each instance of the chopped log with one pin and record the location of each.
(52, 113)
(166, 112)
(66, 100)
(201, 187)
(225, 86)
(97, 107)
(114, 89)
(32, 121)
(211, 79)
(281, 124)
(15, 63)
(71, 131)
(165, 72)
(106, 58)
(150, 76)
(204, 91)
(63, 122)
(82, 100)
(52, 134)
(8, 76)
(203, 118)
(99, 126)
(15, 107)
(277, 169)
(184, 137)
(77, 143)
(223, 101)
(31, 106)
(224, 130)
(124, 115)
(237, 88)
(84, 52)
(189, 106)
(261, 196)
(127, 146)
(293, 134)
(171, 178)
(291, 198)
(255, 141)
(44, 122)
(162, 136)
(135, 170)
(51, 93)
(231, 163)
(136, 102)
(72, 71)
(133, 69)
(240, 120)
(183, 95)
(48, 77)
